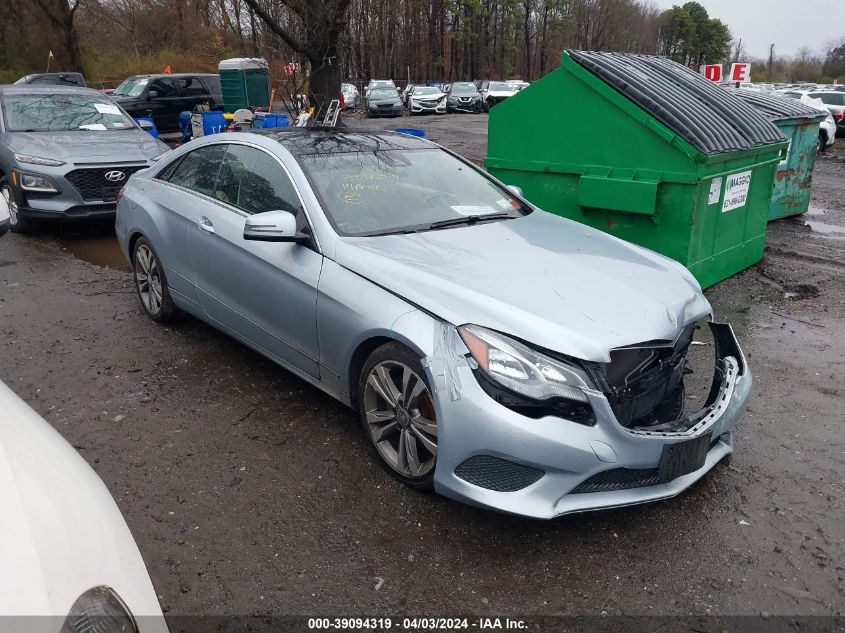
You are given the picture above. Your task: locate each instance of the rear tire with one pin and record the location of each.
(151, 283)
(822, 140)
(397, 413)
(17, 223)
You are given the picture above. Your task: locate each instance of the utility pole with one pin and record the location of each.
(771, 62)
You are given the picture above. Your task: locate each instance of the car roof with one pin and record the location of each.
(310, 141)
(30, 89)
(177, 75)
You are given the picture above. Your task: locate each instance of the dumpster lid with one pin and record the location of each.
(707, 116)
(777, 108)
(242, 63)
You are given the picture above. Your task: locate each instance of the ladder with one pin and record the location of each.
(330, 120)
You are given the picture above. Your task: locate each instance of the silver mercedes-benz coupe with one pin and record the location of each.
(496, 353)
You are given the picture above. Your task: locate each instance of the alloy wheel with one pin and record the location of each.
(400, 418)
(148, 279)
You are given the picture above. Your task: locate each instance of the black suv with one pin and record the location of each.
(164, 96)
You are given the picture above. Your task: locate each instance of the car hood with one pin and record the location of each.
(501, 93)
(388, 101)
(61, 532)
(550, 281)
(429, 97)
(92, 146)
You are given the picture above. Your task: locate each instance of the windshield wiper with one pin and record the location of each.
(470, 219)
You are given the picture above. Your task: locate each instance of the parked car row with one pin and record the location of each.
(437, 98)
(831, 96)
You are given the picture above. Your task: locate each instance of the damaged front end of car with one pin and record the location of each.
(641, 427)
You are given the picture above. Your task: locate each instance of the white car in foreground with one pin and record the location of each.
(66, 553)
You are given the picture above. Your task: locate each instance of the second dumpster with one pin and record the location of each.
(799, 123)
(645, 149)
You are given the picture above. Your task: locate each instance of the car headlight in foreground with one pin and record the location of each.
(534, 384)
(38, 183)
(99, 610)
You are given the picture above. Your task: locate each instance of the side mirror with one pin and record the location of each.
(273, 226)
(152, 94)
(517, 191)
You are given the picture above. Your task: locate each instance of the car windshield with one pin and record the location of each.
(382, 93)
(394, 191)
(61, 112)
(500, 85)
(381, 84)
(426, 90)
(132, 87)
(463, 89)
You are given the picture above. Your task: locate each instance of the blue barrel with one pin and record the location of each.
(153, 132)
(411, 131)
(213, 122)
(270, 119)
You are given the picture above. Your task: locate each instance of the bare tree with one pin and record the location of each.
(321, 27)
(61, 14)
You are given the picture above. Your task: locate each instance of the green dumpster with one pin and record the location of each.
(799, 123)
(647, 150)
(245, 82)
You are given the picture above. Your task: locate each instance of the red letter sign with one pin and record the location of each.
(713, 72)
(741, 72)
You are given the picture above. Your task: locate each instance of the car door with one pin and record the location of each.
(176, 197)
(265, 292)
(165, 102)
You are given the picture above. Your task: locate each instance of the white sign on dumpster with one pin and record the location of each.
(736, 191)
(715, 190)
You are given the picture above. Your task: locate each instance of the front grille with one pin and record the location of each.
(92, 184)
(495, 473)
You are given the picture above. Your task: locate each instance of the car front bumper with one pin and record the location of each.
(566, 453)
(69, 203)
(422, 108)
(473, 107)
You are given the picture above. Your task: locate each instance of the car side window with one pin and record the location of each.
(198, 170)
(193, 87)
(253, 181)
(166, 87)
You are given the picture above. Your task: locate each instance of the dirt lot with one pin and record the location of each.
(250, 492)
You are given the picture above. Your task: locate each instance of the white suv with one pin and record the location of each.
(834, 100)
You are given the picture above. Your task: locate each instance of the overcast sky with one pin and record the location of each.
(788, 24)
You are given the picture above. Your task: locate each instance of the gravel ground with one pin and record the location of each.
(250, 492)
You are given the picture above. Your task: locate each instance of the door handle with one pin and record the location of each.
(205, 224)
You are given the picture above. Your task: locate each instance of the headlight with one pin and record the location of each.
(99, 609)
(521, 369)
(34, 182)
(442, 99)
(37, 160)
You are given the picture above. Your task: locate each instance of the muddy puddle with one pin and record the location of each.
(814, 220)
(94, 243)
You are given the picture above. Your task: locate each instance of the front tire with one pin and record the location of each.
(17, 223)
(397, 413)
(151, 283)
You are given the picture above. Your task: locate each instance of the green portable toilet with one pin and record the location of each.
(645, 149)
(245, 82)
(799, 123)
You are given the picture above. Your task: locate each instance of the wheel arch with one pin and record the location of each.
(370, 343)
